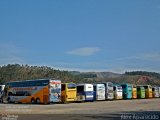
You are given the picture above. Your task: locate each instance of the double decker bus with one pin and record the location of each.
(34, 91)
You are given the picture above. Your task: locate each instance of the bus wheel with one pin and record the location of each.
(38, 101)
(32, 101)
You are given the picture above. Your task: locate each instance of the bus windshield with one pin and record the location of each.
(119, 88)
(88, 88)
(110, 85)
(156, 89)
(129, 87)
(71, 86)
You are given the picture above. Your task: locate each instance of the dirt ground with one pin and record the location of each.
(119, 109)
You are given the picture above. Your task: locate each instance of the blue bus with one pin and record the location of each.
(85, 92)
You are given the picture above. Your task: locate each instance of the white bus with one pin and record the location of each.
(155, 92)
(99, 91)
(2, 87)
(118, 92)
(85, 92)
(1, 92)
(109, 93)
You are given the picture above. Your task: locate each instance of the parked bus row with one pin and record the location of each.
(53, 91)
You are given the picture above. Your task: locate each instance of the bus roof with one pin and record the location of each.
(103, 82)
(144, 85)
(125, 84)
(68, 83)
(32, 80)
(117, 85)
(138, 86)
(87, 84)
(98, 84)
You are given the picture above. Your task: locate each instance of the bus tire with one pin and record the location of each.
(32, 101)
(38, 101)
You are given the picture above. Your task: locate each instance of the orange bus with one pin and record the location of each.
(34, 91)
(134, 92)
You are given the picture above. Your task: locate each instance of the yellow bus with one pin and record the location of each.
(33, 91)
(69, 92)
(148, 90)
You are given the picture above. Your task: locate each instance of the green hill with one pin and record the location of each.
(12, 72)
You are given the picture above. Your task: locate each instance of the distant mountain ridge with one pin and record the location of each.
(12, 72)
(135, 77)
(107, 74)
(97, 74)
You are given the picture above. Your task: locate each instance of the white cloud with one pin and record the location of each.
(86, 51)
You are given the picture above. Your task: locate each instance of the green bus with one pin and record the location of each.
(140, 92)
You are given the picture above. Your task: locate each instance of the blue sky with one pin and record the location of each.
(84, 35)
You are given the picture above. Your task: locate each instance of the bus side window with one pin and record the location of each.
(27, 93)
(10, 94)
(110, 85)
(80, 88)
(29, 84)
(94, 87)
